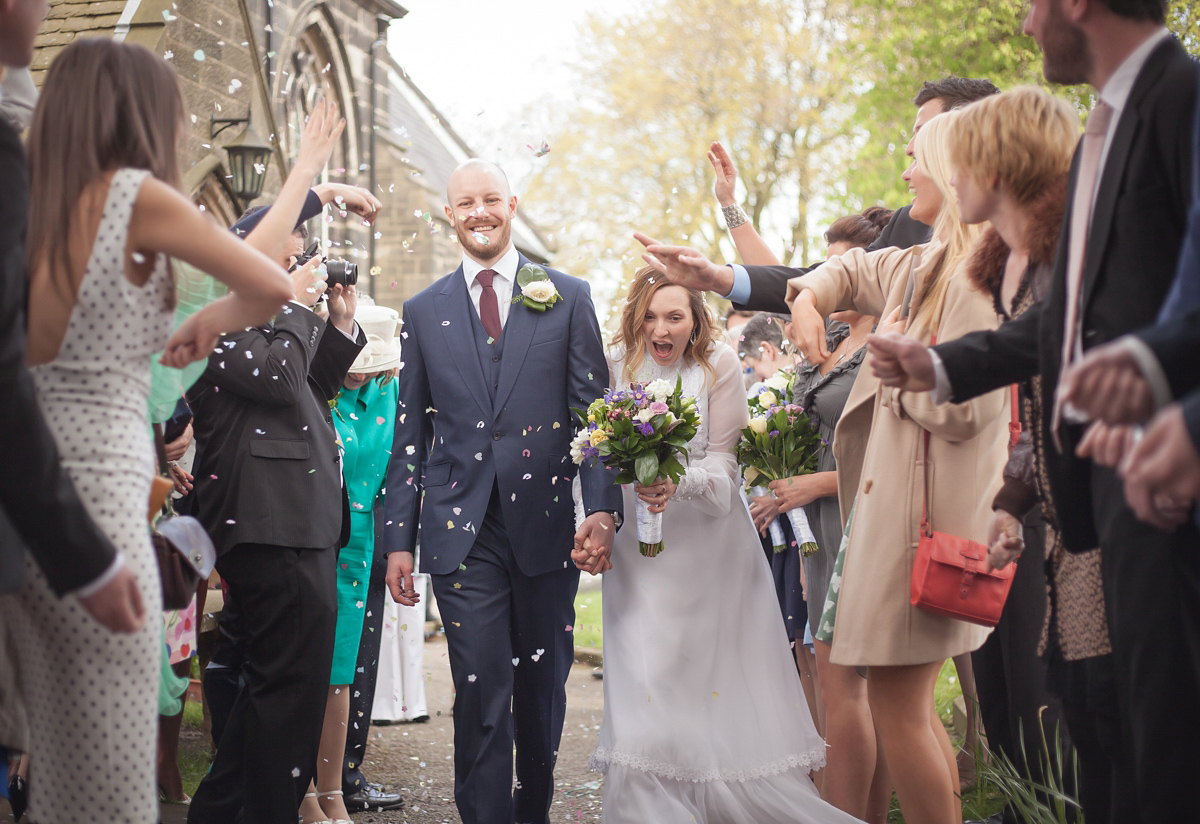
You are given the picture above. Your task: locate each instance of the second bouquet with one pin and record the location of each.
(641, 432)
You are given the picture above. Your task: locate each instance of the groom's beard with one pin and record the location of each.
(485, 253)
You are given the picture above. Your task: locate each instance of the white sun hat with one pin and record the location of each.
(382, 351)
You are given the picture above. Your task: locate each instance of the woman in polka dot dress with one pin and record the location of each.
(105, 215)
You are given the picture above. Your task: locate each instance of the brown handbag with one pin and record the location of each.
(182, 548)
(950, 575)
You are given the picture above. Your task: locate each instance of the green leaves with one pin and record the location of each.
(646, 468)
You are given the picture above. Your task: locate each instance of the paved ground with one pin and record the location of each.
(414, 759)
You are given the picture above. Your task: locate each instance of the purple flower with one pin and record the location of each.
(659, 408)
(773, 433)
(646, 428)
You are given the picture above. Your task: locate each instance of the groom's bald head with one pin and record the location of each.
(473, 170)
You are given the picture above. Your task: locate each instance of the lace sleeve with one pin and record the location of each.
(714, 475)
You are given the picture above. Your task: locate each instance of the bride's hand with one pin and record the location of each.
(657, 494)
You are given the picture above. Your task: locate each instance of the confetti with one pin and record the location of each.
(295, 772)
(471, 678)
(539, 152)
(199, 55)
(480, 238)
(516, 661)
(234, 85)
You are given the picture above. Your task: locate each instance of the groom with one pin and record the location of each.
(481, 457)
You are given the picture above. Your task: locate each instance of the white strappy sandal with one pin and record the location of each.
(335, 820)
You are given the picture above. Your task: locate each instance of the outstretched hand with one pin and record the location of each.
(1107, 445)
(192, 341)
(349, 198)
(319, 138)
(807, 329)
(686, 267)
(900, 361)
(726, 173)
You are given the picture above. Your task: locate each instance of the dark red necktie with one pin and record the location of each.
(489, 307)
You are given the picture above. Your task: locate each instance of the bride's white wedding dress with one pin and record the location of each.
(704, 716)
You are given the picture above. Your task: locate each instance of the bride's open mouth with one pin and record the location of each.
(662, 350)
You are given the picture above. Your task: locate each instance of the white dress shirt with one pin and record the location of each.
(506, 275)
(1116, 94)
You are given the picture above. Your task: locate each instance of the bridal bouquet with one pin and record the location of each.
(781, 441)
(640, 432)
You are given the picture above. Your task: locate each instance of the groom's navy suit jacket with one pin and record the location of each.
(457, 437)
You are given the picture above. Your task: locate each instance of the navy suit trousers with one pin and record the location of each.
(511, 648)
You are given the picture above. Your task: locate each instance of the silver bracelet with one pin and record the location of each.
(734, 216)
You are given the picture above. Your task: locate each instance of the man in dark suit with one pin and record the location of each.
(1129, 199)
(39, 510)
(480, 465)
(268, 489)
(764, 288)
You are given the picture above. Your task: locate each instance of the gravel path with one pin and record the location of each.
(414, 759)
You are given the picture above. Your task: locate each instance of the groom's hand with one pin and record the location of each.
(399, 579)
(593, 543)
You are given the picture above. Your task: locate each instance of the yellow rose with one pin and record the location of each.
(599, 436)
(767, 398)
(759, 424)
(539, 290)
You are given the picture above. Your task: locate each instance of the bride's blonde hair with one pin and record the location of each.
(646, 282)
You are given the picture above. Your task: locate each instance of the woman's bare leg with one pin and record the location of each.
(850, 756)
(900, 699)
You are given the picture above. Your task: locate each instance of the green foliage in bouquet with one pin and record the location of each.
(641, 432)
(778, 444)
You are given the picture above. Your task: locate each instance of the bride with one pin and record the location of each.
(704, 716)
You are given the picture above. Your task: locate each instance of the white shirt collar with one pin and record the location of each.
(1116, 91)
(505, 267)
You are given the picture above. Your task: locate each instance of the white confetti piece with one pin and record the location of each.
(199, 55)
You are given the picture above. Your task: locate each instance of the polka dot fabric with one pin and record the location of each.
(92, 696)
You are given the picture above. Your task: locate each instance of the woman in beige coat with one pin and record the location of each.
(876, 626)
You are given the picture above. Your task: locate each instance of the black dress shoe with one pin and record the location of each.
(372, 797)
(18, 796)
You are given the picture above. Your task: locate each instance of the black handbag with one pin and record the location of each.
(184, 552)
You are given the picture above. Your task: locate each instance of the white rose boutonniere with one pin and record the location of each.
(537, 290)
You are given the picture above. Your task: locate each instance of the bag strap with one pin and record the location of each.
(926, 529)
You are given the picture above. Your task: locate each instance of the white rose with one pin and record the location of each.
(539, 290)
(767, 398)
(660, 390)
(759, 424)
(778, 382)
(644, 415)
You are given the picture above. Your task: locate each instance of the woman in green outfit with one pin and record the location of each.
(364, 414)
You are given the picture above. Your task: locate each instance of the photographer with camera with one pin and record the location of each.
(269, 491)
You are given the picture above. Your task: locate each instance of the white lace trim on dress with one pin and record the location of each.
(602, 758)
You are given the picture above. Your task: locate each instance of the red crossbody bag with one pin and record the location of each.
(950, 575)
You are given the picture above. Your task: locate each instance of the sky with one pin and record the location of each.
(494, 70)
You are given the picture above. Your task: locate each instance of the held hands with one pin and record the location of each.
(808, 328)
(399, 579)
(320, 136)
(1006, 539)
(354, 199)
(1162, 472)
(726, 173)
(592, 552)
(684, 266)
(900, 361)
(1107, 445)
(1107, 384)
(118, 604)
(308, 281)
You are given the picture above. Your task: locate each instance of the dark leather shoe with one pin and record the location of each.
(372, 797)
(18, 796)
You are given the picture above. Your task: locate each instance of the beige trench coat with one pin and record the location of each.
(875, 624)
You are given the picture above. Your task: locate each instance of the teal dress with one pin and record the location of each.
(364, 418)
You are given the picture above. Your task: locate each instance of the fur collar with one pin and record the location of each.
(986, 264)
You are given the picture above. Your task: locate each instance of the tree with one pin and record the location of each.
(1183, 18)
(657, 86)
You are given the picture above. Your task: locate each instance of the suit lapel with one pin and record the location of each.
(454, 309)
(1114, 168)
(518, 332)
